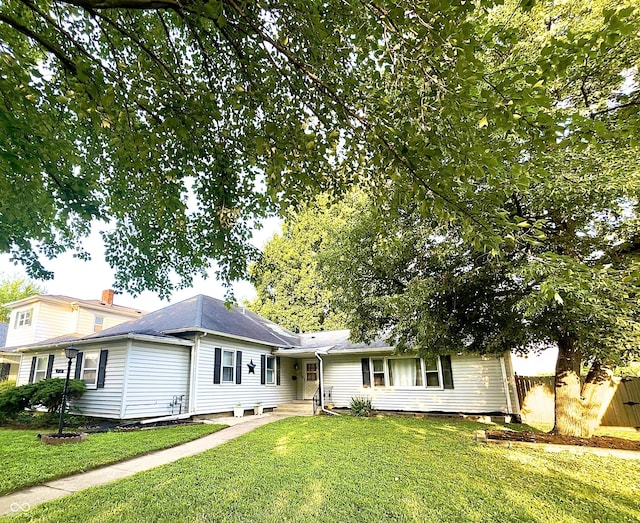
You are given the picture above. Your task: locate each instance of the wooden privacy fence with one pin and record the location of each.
(535, 394)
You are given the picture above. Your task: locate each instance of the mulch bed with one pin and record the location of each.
(606, 442)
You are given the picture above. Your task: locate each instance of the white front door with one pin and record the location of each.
(310, 377)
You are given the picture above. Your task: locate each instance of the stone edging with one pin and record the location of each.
(53, 439)
(481, 438)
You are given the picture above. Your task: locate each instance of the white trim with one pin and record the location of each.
(127, 361)
(23, 318)
(275, 371)
(117, 309)
(505, 384)
(105, 339)
(45, 357)
(423, 369)
(440, 377)
(96, 353)
(232, 381)
(193, 370)
(223, 335)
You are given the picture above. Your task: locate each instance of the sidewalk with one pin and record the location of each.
(26, 499)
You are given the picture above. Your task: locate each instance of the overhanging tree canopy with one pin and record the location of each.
(180, 123)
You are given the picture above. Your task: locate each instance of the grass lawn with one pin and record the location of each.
(27, 461)
(327, 469)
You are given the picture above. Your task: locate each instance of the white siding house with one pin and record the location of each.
(197, 357)
(40, 318)
(477, 383)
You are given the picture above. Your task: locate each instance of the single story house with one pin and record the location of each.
(198, 357)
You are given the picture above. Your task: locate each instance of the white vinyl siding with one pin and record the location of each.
(25, 333)
(86, 320)
(214, 398)
(157, 380)
(104, 402)
(478, 386)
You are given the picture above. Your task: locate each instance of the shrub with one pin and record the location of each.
(48, 393)
(14, 400)
(45, 393)
(7, 385)
(360, 406)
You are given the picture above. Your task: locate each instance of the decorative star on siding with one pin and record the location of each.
(252, 367)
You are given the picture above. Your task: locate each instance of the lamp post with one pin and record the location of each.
(70, 352)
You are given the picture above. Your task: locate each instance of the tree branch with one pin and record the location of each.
(67, 62)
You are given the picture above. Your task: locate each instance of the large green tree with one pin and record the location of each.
(576, 287)
(287, 279)
(14, 288)
(179, 124)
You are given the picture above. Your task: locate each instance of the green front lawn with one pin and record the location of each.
(327, 469)
(27, 461)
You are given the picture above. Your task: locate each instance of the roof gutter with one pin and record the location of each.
(87, 341)
(223, 334)
(321, 376)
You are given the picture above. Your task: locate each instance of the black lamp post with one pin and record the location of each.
(70, 352)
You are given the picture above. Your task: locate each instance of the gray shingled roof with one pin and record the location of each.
(336, 341)
(203, 313)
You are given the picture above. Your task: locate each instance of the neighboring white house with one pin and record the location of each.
(199, 357)
(44, 317)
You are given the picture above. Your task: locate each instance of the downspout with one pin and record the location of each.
(505, 384)
(125, 380)
(193, 379)
(321, 381)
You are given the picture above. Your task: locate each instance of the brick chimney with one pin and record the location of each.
(107, 296)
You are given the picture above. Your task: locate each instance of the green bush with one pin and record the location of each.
(7, 385)
(48, 393)
(14, 400)
(360, 406)
(45, 393)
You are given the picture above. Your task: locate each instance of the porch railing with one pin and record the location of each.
(316, 400)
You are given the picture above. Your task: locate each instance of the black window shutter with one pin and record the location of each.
(102, 367)
(277, 370)
(217, 362)
(366, 374)
(32, 372)
(50, 366)
(263, 369)
(78, 373)
(238, 367)
(447, 374)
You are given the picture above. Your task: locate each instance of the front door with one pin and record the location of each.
(310, 377)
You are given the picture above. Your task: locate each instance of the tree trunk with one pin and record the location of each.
(597, 393)
(568, 404)
(579, 409)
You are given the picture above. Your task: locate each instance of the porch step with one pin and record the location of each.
(296, 408)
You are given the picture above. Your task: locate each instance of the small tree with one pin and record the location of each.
(14, 288)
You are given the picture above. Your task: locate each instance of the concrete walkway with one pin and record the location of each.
(24, 500)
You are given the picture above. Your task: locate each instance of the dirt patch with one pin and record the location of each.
(605, 442)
